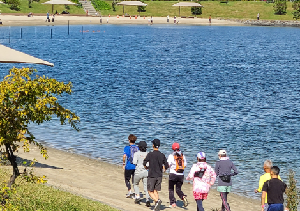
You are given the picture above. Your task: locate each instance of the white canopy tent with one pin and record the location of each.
(186, 4)
(1, 2)
(53, 2)
(9, 55)
(131, 3)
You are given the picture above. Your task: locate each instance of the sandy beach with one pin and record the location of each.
(104, 182)
(38, 20)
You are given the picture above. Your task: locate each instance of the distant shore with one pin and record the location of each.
(38, 20)
(104, 182)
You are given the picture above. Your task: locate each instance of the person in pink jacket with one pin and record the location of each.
(203, 176)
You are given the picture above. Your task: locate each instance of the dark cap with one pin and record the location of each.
(142, 144)
(156, 143)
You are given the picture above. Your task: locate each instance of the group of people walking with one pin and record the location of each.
(149, 167)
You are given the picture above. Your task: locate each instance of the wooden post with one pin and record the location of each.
(68, 27)
(21, 33)
(51, 33)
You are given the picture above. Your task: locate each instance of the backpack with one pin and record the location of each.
(200, 173)
(133, 149)
(179, 163)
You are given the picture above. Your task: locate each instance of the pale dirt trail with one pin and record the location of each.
(104, 182)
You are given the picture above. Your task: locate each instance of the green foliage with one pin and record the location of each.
(296, 7)
(141, 9)
(114, 6)
(101, 5)
(196, 10)
(24, 100)
(67, 7)
(292, 192)
(14, 4)
(280, 7)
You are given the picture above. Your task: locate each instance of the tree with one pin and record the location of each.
(23, 100)
(280, 7)
(296, 7)
(292, 192)
(14, 4)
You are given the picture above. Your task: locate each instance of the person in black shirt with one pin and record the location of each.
(274, 188)
(157, 164)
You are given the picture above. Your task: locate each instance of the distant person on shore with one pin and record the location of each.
(265, 177)
(168, 19)
(48, 19)
(177, 164)
(53, 17)
(0, 22)
(157, 164)
(175, 20)
(140, 172)
(151, 20)
(128, 166)
(275, 189)
(223, 169)
(209, 19)
(203, 177)
(257, 16)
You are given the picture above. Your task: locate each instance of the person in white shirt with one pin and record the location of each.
(177, 163)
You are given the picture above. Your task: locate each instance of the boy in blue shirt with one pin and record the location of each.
(128, 166)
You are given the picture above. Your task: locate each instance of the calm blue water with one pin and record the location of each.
(206, 87)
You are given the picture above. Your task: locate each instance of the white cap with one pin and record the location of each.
(222, 152)
(201, 155)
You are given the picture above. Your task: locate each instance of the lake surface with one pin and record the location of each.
(206, 87)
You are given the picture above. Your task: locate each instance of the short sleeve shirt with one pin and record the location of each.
(128, 166)
(275, 189)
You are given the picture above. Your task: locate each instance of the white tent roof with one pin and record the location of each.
(1, 2)
(132, 3)
(58, 2)
(187, 4)
(9, 55)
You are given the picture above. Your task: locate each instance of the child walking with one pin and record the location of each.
(203, 177)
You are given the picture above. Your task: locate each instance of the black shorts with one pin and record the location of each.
(129, 173)
(154, 183)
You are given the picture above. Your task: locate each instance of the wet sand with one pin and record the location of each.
(22, 20)
(104, 182)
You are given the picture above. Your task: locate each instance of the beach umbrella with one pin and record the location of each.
(132, 3)
(9, 55)
(53, 2)
(186, 4)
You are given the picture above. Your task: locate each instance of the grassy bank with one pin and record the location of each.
(30, 196)
(232, 10)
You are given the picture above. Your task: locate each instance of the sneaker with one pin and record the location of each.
(148, 203)
(128, 195)
(137, 200)
(157, 205)
(185, 201)
(173, 205)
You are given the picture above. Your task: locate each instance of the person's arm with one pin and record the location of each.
(124, 161)
(212, 176)
(263, 198)
(146, 160)
(191, 174)
(235, 171)
(166, 165)
(185, 163)
(260, 184)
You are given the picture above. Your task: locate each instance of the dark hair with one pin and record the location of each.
(143, 149)
(132, 138)
(201, 160)
(275, 170)
(223, 155)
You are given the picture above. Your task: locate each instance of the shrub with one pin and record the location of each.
(196, 10)
(14, 4)
(292, 192)
(296, 7)
(280, 7)
(101, 5)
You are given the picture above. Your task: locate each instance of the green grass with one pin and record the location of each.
(232, 10)
(33, 197)
(37, 7)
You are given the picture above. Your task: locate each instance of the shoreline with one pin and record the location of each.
(102, 181)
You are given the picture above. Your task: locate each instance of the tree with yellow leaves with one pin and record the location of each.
(26, 99)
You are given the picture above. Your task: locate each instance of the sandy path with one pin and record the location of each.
(15, 20)
(104, 182)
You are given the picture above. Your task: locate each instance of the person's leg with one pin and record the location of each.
(276, 207)
(153, 195)
(225, 206)
(171, 189)
(145, 187)
(151, 188)
(199, 205)
(136, 182)
(127, 176)
(179, 182)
